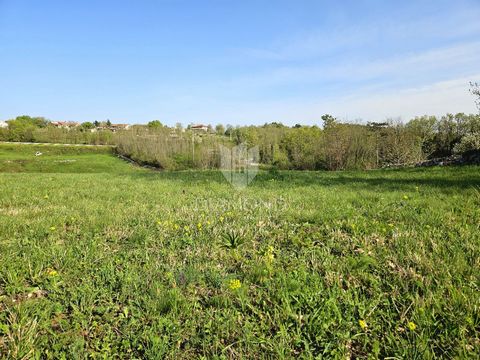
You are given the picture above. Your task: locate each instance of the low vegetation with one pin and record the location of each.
(103, 259)
(58, 159)
(334, 146)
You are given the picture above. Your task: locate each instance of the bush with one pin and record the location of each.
(468, 143)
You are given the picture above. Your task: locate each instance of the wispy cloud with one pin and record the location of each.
(438, 98)
(368, 34)
(367, 104)
(440, 63)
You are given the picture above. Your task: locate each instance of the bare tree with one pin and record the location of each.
(475, 90)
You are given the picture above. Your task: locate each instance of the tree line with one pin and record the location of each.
(335, 145)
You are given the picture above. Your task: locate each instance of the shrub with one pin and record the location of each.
(469, 142)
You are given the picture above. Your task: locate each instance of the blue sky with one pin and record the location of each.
(237, 62)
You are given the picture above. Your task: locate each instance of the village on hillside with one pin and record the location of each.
(109, 126)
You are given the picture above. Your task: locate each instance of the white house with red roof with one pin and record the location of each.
(199, 127)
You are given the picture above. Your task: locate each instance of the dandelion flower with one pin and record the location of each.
(234, 284)
(52, 272)
(363, 324)
(269, 257)
(411, 326)
(269, 254)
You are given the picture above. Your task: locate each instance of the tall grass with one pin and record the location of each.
(173, 150)
(102, 259)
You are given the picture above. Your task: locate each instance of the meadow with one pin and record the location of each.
(103, 259)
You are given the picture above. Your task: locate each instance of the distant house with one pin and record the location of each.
(199, 127)
(3, 124)
(65, 124)
(112, 127)
(116, 127)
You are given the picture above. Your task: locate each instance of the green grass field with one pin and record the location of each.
(102, 259)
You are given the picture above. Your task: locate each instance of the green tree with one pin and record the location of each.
(423, 128)
(86, 126)
(328, 121)
(22, 128)
(155, 124)
(468, 143)
(26, 120)
(220, 129)
(229, 130)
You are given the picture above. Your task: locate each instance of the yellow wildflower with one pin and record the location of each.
(269, 254)
(405, 197)
(411, 326)
(53, 228)
(199, 226)
(221, 218)
(234, 284)
(52, 272)
(45, 197)
(363, 324)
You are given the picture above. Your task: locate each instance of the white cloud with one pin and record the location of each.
(439, 62)
(369, 104)
(438, 98)
(461, 21)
